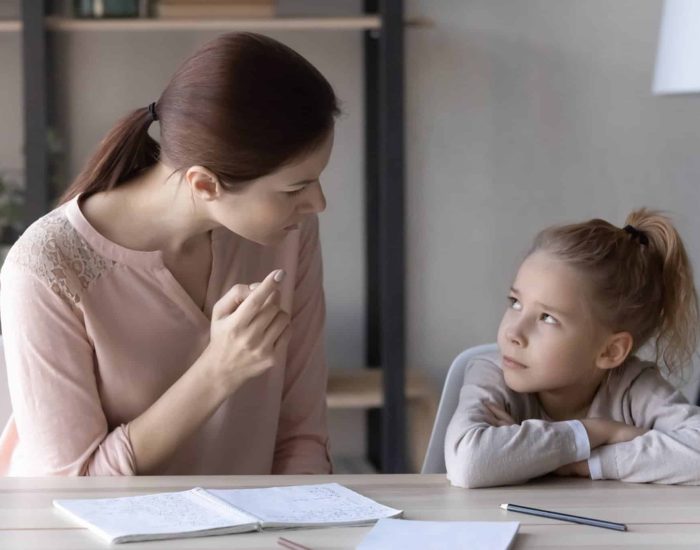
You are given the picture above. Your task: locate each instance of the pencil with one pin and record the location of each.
(565, 517)
(291, 544)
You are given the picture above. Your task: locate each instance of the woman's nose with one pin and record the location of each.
(315, 200)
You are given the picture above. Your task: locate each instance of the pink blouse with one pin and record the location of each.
(94, 333)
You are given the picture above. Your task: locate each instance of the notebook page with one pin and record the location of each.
(157, 516)
(306, 505)
(440, 535)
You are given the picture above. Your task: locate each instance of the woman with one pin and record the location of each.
(134, 339)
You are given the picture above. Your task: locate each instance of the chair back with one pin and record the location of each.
(5, 405)
(434, 462)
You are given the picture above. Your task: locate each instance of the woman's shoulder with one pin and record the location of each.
(54, 252)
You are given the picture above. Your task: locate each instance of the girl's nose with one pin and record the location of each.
(515, 336)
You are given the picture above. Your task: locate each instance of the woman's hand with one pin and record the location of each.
(498, 416)
(248, 326)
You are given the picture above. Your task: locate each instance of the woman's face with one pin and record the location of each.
(268, 208)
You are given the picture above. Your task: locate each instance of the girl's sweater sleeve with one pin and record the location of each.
(669, 452)
(57, 412)
(478, 454)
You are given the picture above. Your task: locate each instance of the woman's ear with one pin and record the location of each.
(203, 183)
(615, 351)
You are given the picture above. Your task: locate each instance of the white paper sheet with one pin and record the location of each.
(440, 535)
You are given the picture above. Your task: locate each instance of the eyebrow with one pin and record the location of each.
(303, 182)
(557, 312)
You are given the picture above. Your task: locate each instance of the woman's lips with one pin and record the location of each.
(511, 364)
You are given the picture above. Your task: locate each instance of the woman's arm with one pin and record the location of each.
(52, 376)
(302, 436)
(247, 329)
(52, 380)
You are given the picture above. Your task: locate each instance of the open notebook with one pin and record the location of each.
(199, 512)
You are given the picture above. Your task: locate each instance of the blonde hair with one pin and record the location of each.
(640, 277)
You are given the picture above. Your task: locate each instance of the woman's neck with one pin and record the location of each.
(153, 211)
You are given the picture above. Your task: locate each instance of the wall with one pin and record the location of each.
(519, 114)
(522, 114)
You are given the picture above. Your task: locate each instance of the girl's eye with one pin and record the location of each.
(295, 192)
(514, 303)
(547, 318)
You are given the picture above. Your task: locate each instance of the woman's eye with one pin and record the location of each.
(514, 303)
(547, 318)
(295, 192)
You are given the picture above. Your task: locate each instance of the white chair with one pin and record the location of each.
(434, 462)
(5, 405)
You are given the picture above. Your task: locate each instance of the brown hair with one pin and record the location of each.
(641, 280)
(243, 106)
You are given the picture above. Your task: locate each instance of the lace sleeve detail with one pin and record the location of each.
(54, 252)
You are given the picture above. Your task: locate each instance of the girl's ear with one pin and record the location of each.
(615, 351)
(203, 183)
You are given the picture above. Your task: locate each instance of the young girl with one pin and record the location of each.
(134, 343)
(566, 392)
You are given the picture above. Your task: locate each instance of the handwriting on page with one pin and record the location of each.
(307, 504)
(160, 513)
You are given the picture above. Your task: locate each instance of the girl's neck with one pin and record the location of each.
(569, 403)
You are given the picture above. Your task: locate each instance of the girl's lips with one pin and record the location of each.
(511, 364)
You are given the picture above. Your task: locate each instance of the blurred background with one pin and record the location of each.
(518, 114)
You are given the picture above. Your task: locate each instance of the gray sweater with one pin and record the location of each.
(480, 455)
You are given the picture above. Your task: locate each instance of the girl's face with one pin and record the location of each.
(548, 337)
(267, 209)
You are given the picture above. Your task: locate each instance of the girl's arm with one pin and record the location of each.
(669, 452)
(302, 435)
(479, 454)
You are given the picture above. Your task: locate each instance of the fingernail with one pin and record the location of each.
(279, 275)
(253, 286)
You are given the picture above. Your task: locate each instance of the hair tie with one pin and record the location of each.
(152, 111)
(637, 234)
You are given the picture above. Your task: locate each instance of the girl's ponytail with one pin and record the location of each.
(124, 152)
(641, 280)
(677, 324)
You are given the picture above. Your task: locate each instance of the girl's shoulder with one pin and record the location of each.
(637, 380)
(484, 368)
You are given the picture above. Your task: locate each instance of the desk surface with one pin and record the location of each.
(657, 516)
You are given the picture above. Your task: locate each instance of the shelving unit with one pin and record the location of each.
(368, 22)
(383, 28)
(8, 25)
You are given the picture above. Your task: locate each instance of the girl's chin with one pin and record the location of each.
(517, 384)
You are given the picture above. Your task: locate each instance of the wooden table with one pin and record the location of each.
(657, 516)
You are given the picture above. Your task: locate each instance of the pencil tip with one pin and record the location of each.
(504, 506)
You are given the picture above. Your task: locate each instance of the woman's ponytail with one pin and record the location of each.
(124, 152)
(222, 109)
